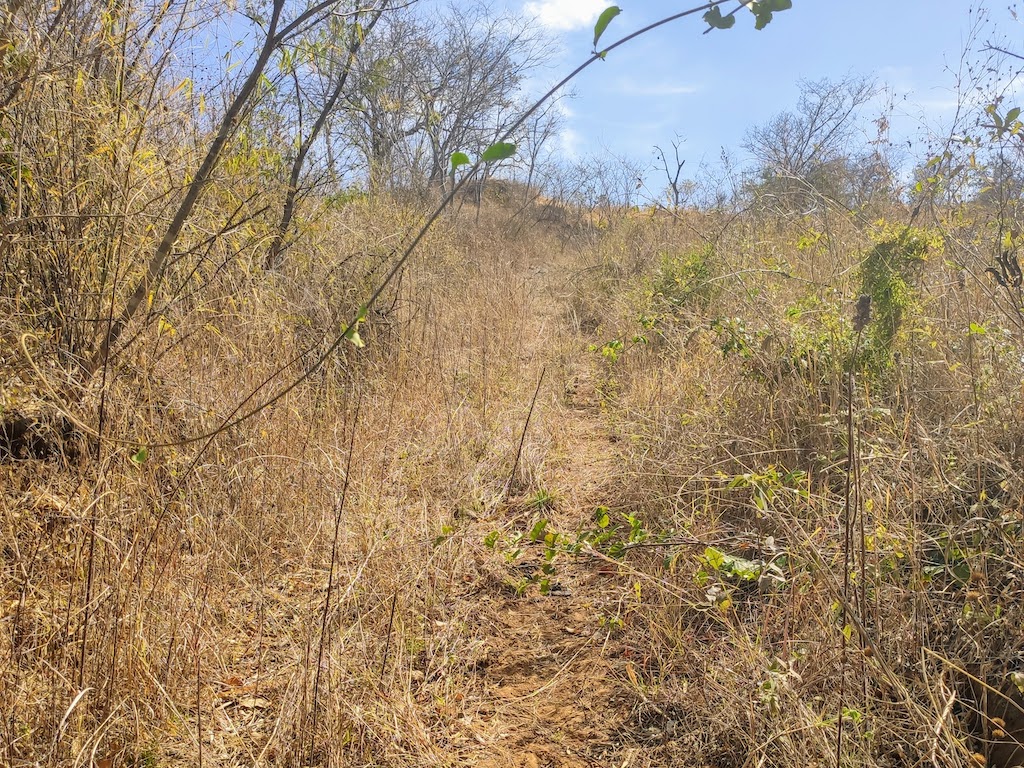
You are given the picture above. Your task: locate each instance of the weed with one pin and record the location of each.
(890, 274)
(683, 282)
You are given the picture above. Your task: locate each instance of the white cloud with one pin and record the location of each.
(565, 14)
(570, 142)
(900, 78)
(637, 88)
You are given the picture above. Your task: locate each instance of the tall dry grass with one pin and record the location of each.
(313, 585)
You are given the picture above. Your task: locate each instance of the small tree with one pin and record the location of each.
(805, 157)
(678, 190)
(426, 90)
(336, 64)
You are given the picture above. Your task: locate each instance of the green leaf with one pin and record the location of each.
(1017, 678)
(141, 455)
(715, 19)
(601, 517)
(603, 21)
(459, 159)
(763, 10)
(991, 109)
(1012, 115)
(714, 557)
(501, 150)
(977, 330)
(352, 333)
(446, 532)
(537, 532)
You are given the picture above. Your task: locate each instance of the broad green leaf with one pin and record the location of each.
(501, 150)
(537, 532)
(603, 21)
(352, 333)
(762, 14)
(141, 455)
(715, 19)
(763, 10)
(459, 159)
(1012, 115)
(714, 557)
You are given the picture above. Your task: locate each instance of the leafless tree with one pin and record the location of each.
(805, 156)
(537, 143)
(335, 64)
(678, 189)
(427, 90)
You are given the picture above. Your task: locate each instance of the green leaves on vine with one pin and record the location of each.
(762, 10)
(602, 24)
(714, 18)
(501, 150)
(1001, 125)
(352, 332)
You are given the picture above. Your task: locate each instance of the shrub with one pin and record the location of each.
(684, 281)
(889, 274)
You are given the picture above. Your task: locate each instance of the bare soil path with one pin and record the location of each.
(551, 683)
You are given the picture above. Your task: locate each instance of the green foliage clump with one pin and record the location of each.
(684, 281)
(889, 274)
(819, 336)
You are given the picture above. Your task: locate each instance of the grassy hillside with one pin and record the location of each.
(738, 485)
(672, 555)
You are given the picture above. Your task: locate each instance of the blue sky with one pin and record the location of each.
(710, 89)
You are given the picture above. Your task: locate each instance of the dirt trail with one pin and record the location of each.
(547, 696)
(550, 686)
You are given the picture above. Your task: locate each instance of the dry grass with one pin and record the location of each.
(675, 556)
(313, 586)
